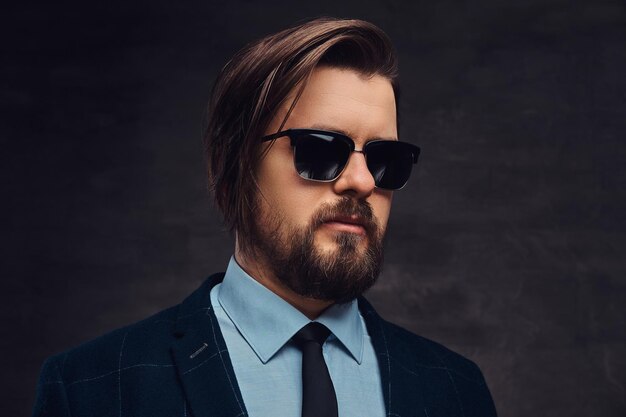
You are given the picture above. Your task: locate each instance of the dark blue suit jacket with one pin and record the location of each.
(175, 363)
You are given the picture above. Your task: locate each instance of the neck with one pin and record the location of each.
(258, 268)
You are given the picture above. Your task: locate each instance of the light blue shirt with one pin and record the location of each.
(257, 326)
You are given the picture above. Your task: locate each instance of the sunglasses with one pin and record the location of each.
(320, 155)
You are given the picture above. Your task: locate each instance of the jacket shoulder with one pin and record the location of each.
(87, 377)
(413, 351)
(420, 352)
(145, 343)
(425, 373)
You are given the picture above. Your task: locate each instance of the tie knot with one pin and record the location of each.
(312, 332)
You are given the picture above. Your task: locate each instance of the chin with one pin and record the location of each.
(331, 243)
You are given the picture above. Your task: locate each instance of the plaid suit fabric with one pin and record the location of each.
(175, 363)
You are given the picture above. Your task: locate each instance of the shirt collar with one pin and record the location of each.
(267, 322)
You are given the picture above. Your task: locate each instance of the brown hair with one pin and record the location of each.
(254, 83)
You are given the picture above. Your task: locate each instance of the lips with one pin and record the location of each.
(351, 224)
(355, 220)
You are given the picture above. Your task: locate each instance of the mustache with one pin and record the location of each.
(359, 210)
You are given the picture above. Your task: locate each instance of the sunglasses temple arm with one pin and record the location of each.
(273, 136)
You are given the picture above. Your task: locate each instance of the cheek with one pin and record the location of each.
(284, 193)
(296, 205)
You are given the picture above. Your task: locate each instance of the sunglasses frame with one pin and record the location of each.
(295, 134)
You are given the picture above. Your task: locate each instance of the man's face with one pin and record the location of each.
(324, 240)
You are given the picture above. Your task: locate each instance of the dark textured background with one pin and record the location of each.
(508, 246)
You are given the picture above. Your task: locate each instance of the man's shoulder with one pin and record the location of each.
(415, 353)
(144, 343)
(448, 383)
(424, 352)
(137, 359)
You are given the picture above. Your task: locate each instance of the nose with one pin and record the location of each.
(355, 180)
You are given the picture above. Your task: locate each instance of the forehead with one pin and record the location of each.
(346, 100)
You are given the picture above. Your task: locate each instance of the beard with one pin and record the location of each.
(340, 274)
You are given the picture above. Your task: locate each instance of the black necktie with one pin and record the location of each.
(318, 393)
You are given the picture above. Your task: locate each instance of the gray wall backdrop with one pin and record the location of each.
(508, 245)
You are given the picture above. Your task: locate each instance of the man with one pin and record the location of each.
(304, 157)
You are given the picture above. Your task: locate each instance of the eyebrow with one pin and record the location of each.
(345, 132)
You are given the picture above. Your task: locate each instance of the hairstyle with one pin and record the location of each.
(254, 84)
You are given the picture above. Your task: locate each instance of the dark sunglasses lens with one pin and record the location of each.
(390, 163)
(320, 156)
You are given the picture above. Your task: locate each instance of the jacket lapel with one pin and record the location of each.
(401, 389)
(202, 360)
